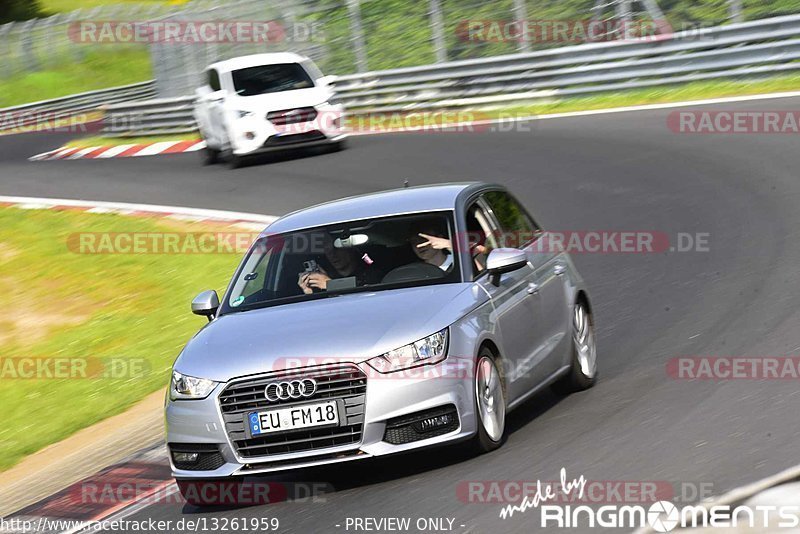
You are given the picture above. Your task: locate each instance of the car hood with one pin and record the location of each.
(347, 328)
(312, 96)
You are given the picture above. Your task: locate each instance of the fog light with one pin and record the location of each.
(185, 457)
(432, 423)
(250, 135)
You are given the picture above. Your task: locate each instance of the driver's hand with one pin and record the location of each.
(438, 243)
(310, 281)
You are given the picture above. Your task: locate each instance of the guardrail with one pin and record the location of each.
(751, 49)
(47, 111)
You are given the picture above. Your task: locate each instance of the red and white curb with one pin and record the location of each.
(121, 151)
(247, 221)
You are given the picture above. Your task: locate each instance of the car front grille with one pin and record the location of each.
(346, 383)
(292, 116)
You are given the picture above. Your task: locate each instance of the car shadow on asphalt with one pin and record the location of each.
(290, 154)
(308, 484)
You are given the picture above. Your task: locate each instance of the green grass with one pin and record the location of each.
(59, 303)
(116, 141)
(99, 69)
(64, 6)
(657, 95)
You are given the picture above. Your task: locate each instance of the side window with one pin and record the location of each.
(213, 80)
(480, 239)
(518, 229)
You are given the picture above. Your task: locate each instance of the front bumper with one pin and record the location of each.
(388, 400)
(256, 134)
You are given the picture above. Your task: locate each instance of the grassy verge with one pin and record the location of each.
(117, 141)
(659, 95)
(64, 304)
(118, 67)
(65, 6)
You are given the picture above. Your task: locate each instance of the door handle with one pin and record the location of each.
(533, 288)
(559, 269)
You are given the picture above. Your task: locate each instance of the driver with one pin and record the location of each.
(344, 262)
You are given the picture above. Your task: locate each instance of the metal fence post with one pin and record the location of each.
(735, 11)
(29, 59)
(357, 37)
(624, 17)
(437, 30)
(5, 37)
(521, 17)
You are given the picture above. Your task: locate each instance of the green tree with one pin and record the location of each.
(11, 10)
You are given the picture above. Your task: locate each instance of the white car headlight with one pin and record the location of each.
(188, 387)
(426, 351)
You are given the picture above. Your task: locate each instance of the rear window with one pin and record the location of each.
(270, 79)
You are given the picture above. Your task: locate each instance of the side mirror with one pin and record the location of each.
(504, 260)
(206, 303)
(327, 80)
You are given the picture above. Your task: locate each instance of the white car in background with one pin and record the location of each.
(262, 102)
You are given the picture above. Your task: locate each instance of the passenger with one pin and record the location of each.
(430, 246)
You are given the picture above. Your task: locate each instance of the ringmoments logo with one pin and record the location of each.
(661, 516)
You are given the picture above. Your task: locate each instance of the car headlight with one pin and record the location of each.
(188, 387)
(426, 351)
(242, 113)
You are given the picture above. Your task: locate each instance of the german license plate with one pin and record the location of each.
(293, 418)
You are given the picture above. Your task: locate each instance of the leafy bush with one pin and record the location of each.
(12, 10)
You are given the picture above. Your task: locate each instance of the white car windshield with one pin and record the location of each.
(264, 79)
(368, 255)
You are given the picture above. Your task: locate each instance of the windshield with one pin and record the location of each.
(270, 79)
(376, 254)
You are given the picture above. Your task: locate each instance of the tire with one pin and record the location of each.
(583, 369)
(491, 430)
(234, 161)
(209, 156)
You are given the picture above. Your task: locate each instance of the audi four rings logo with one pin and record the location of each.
(293, 389)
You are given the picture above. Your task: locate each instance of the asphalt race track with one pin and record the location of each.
(624, 171)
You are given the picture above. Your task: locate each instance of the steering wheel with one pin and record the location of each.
(413, 271)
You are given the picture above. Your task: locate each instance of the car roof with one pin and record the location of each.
(254, 60)
(394, 202)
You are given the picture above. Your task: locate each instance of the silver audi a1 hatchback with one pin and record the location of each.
(374, 325)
